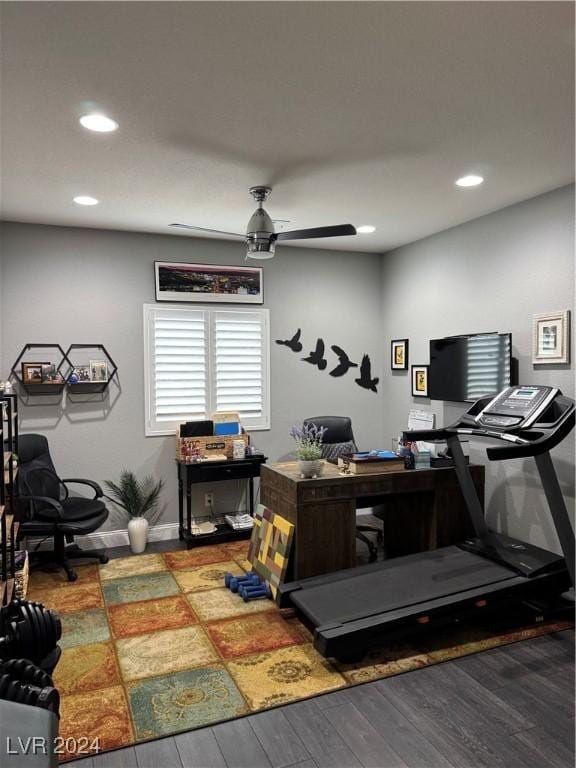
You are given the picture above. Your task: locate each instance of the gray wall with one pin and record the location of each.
(490, 274)
(71, 285)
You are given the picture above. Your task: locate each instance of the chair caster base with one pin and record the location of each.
(103, 559)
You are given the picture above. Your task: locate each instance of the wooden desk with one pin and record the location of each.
(422, 509)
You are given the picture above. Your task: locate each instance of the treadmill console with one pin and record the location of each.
(516, 407)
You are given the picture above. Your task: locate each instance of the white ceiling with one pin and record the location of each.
(361, 113)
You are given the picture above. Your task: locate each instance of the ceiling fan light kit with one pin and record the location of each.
(261, 236)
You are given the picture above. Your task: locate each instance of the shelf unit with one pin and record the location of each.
(8, 524)
(88, 387)
(38, 388)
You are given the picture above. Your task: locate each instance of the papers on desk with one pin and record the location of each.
(418, 419)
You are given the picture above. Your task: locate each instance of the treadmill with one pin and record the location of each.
(353, 610)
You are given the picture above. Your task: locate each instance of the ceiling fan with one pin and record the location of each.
(261, 238)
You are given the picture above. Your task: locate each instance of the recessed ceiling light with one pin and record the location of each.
(86, 200)
(469, 181)
(365, 229)
(99, 123)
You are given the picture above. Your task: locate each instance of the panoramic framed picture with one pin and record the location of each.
(399, 354)
(208, 282)
(551, 338)
(419, 381)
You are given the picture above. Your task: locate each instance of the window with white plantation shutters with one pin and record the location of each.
(198, 361)
(239, 377)
(488, 364)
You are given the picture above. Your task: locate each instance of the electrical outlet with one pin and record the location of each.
(208, 499)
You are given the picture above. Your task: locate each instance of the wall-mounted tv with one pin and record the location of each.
(464, 368)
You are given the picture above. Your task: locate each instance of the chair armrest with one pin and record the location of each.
(98, 493)
(45, 500)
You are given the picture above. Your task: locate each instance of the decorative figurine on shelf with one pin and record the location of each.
(309, 449)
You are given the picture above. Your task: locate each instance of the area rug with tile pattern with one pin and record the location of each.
(155, 644)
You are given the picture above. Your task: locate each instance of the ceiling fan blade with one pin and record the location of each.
(338, 230)
(203, 229)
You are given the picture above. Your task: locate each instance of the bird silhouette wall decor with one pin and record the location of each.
(316, 357)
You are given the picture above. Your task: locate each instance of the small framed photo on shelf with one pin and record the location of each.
(80, 374)
(98, 370)
(419, 381)
(50, 375)
(399, 354)
(551, 338)
(32, 372)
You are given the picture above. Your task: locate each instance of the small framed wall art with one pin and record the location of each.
(399, 354)
(419, 381)
(208, 283)
(551, 338)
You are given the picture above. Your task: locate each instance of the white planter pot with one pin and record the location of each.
(138, 534)
(310, 468)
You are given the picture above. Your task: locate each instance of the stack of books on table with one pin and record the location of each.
(370, 462)
(239, 522)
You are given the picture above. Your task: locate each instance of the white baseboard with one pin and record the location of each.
(119, 538)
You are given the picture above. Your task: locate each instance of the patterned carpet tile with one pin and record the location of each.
(71, 597)
(82, 627)
(197, 556)
(206, 576)
(284, 675)
(135, 588)
(128, 619)
(254, 634)
(235, 549)
(160, 653)
(86, 668)
(57, 577)
(221, 604)
(178, 702)
(133, 565)
(377, 665)
(101, 714)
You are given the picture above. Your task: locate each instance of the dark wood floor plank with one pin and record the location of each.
(546, 750)
(162, 752)
(199, 749)
(406, 740)
(239, 745)
(447, 725)
(319, 737)
(83, 762)
(362, 738)
(306, 764)
(278, 738)
(540, 706)
(120, 758)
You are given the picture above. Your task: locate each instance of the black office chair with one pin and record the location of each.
(47, 509)
(339, 439)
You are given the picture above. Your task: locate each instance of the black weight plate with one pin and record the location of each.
(5, 681)
(29, 617)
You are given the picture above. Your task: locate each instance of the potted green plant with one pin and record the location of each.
(138, 500)
(309, 448)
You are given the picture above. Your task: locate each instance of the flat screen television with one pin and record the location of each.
(465, 368)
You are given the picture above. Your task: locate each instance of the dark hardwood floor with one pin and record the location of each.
(511, 707)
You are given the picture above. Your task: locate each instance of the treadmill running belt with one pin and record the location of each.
(387, 587)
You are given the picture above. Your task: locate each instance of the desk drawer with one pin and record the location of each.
(207, 474)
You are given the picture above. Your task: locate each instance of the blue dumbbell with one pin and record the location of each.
(256, 593)
(244, 581)
(230, 577)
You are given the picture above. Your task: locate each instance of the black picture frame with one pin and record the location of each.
(399, 354)
(419, 377)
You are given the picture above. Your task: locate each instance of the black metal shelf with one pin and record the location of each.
(88, 387)
(223, 534)
(41, 388)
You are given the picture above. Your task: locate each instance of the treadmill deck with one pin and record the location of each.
(402, 583)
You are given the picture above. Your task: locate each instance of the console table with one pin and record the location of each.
(422, 509)
(210, 472)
